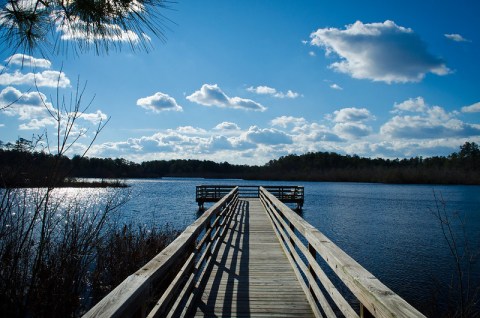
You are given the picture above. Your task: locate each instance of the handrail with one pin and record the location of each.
(179, 267)
(286, 194)
(375, 298)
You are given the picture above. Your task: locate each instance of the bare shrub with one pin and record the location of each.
(460, 295)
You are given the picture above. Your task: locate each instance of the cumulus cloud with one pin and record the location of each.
(191, 130)
(411, 105)
(35, 123)
(379, 51)
(12, 74)
(351, 114)
(159, 102)
(284, 121)
(456, 37)
(94, 118)
(313, 132)
(352, 129)
(23, 59)
(266, 90)
(34, 110)
(311, 53)
(432, 123)
(216, 143)
(41, 79)
(262, 90)
(227, 126)
(212, 95)
(414, 129)
(474, 108)
(25, 105)
(267, 136)
(76, 29)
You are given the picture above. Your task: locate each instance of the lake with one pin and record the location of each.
(390, 230)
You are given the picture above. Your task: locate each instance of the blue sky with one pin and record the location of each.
(249, 81)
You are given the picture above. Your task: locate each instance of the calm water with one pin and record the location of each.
(388, 229)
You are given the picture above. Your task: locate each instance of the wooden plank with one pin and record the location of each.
(135, 290)
(251, 275)
(373, 294)
(313, 267)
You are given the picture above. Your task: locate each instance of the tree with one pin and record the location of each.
(469, 150)
(28, 25)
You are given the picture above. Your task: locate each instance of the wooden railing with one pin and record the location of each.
(163, 286)
(304, 244)
(213, 193)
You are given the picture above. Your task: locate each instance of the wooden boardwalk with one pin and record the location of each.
(252, 257)
(251, 275)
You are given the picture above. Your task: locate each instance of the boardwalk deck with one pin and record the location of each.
(251, 276)
(230, 263)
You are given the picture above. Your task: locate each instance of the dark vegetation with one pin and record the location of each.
(459, 294)
(31, 168)
(81, 262)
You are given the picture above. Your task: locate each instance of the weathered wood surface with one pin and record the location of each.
(251, 276)
(370, 292)
(134, 294)
(253, 257)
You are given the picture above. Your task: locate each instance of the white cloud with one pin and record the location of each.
(26, 106)
(267, 136)
(456, 37)
(431, 123)
(265, 90)
(284, 121)
(352, 129)
(474, 108)
(311, 53)
(94, 118)
(34, 110)
(336, 86)
(351, 114)
(227, 126)
(23, 59)
(411, 105)
(379, 51)
(313, 132)
(262, 90)
(74, 29)
(212, 95)
(190, 130)
(40, 123)
(216, 143)
(432, 132)
(41, 79)
(159, 102)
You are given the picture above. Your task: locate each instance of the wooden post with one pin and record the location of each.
(209, 238)
(292, 227)
(312, 252)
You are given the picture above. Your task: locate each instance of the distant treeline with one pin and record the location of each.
(20, 166)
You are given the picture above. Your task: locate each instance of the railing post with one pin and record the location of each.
(208, 239)
(312, 252)
(292, 227)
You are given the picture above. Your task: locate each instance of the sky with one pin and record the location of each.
(250, 81)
